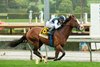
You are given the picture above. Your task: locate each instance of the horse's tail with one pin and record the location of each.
(17, 42)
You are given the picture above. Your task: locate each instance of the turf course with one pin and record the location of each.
(29, 63)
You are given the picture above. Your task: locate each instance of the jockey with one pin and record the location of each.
(54, 23)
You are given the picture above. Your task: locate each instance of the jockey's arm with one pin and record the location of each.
(57, 25)
(49, 24)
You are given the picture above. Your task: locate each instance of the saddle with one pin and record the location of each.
(44, 32)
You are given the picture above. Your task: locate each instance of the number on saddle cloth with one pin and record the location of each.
(45, 31)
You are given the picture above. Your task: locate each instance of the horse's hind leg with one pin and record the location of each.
(37, 53)
(36, 50)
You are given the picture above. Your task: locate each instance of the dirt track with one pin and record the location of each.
(70, 55)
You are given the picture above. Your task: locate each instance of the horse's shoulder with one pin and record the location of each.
(57, 33)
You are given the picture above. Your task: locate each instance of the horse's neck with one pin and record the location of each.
(65, 31)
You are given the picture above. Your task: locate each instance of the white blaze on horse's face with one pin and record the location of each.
(81, 26)
(78, 21)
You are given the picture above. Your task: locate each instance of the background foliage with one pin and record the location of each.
(63, 6)
(14, 7)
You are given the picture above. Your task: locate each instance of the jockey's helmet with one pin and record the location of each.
(62, 19)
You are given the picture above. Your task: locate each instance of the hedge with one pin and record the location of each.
(18, 16)
(21, 16)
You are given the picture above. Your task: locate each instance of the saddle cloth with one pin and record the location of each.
(44, 32)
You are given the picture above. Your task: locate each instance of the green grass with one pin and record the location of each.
(28, 63)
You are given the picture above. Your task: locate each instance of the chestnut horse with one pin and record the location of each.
(60, 37)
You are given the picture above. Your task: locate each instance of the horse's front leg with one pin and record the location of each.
(59, 49)
(63, 54)
(56, 55)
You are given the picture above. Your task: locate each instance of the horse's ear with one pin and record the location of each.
(72, 15)
(69, 15)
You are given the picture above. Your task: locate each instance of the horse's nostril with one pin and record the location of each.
(81, 27)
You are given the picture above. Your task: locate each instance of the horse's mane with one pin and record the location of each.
(67, 19)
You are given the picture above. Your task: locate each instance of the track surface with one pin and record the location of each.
(70, 55)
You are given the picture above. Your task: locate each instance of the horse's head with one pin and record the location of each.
(74, 22)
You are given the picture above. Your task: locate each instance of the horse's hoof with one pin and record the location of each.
(44, 56)
(40, 60)
(59, 59)
(55, 59)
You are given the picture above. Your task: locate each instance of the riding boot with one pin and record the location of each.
(51, 32)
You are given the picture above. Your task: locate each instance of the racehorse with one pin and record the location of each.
(60, 37)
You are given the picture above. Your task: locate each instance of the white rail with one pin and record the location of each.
(70, 39)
